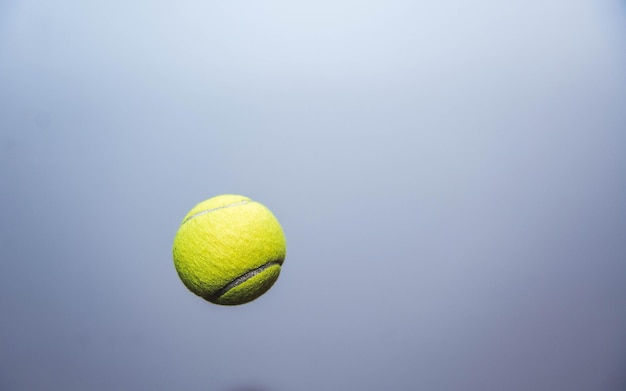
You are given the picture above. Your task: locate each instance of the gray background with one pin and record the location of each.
(451, 178)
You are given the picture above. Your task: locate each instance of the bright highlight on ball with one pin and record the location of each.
(229, 249)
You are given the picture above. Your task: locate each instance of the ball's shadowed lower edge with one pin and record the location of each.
(214, 298)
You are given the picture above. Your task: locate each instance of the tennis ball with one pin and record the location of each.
(229, 249)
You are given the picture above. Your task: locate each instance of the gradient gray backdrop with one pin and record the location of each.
(451, 178)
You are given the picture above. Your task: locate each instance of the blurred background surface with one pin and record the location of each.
(451, 178)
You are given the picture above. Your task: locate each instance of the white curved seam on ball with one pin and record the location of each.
(243, 278)
(203, 212)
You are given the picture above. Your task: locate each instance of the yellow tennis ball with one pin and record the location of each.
(229, 249)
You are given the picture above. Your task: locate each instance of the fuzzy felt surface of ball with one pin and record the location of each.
(229, 249)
